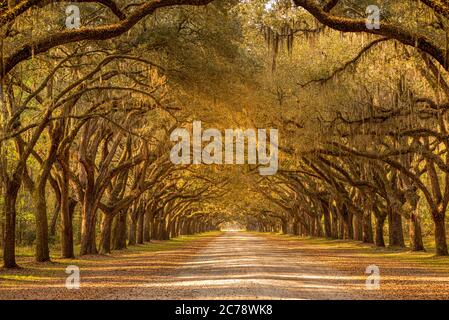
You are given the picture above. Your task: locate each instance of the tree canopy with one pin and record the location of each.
(87, 114)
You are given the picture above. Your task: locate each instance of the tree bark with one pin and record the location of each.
(440, 235)
(140, 227)
(67, 207)
(132, 231)
(119, 231)
(318, 227)
(358, 227)
(106, 232)
(42, 249)
(416, 242)
(163, 230)
(88, 222)
(296, 226)
(348, 227)
(312, 227)
(334, 225)
(380, 221)
(284, 226)
(341, 228)
(147, 227)
(9, 249)
(395, 232)
(389, 30)
(367, 228)
(54, 217)
(327, 224)
(2, 221)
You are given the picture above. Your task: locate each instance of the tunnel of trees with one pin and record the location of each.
(86, 116)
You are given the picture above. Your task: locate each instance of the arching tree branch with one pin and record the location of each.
(91, 33)
(389, 30)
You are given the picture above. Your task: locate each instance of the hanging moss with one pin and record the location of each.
(278, 40)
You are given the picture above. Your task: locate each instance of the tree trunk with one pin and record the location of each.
(147, 227)
(284, 226)
(9, 256)
(39, 197)
(187, 227)
(132, 231)
(67, 208)
(334, 226)
(174, 227)
(341, 228)
(312, 230)
(395, 233)
(358, 227)
(182, 226)
(54, 218)
(119, 233)
(346, 215)
(106, 232)
(140, 224)
(57, 207)
(440, 235)
(327, 223)
(349, 225)
(2, 221)
(367, 228)
(416, 243)
(88, 222)
(163, 230)
(154, 227)
(318, 227)
(171, 229)
(380, 221)
(296, 226)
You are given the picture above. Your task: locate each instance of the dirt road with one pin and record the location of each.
(239, 265)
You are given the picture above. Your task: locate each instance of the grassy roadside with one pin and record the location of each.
(154, 245)
(31, 271)
(363, 250)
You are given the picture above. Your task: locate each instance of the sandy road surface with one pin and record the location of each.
(239, 265)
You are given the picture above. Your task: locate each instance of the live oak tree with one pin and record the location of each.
(86, 116)
(85, 93)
